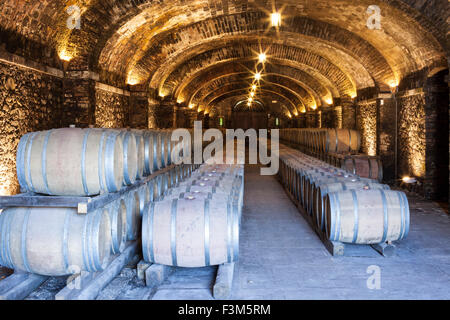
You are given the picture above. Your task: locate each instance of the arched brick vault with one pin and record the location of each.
(265, 95)
(295, 100)
(169, 78)
(305, 94)
(287, 55)
(126, 35)
(323, 88)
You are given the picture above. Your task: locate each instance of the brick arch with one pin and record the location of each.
(201, 92)
(268, 94)
(415, 29)
(322, 79)
(295, 101)
(280, 54)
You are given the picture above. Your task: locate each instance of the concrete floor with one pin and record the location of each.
(282, 258)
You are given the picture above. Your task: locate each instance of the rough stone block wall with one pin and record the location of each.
(437, 127)
(138, 111)
(79, 102)
(111, 110)
(30, 101)
(386, 138)
(366, 124)
(337, 118)
(348, 117)
(311, 119)
(163, 115)
(411, 136)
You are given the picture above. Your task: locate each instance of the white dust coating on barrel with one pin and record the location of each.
(190, 233)
(132, 204)
(140, 151)
(323, 189)
(70, 162)
(130, 158)
(367, 217)
(144, 198)
(149, 152)
(54, 241)
(118, 216)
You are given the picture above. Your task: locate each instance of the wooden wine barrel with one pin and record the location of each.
(70, 162)
(118, 219)
(190, 233)
(54, 241)
(364, 166)
(366, 217)
(140, 149)
(341, 140)
(149, 147)
(323, 189)
(130, 158)
(132, 203)
(144, 197)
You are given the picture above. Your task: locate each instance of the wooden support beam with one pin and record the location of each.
(385, 249)
(224, 281)
(156, 274)
(19, 285)
(89, 285)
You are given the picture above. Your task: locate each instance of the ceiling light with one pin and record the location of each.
(254, 87)
(250, 99)
(329, 101)
(258, 76)
(252, 94)
(262, 57)
(276, 19)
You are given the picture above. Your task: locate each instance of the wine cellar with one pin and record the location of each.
(224, 149)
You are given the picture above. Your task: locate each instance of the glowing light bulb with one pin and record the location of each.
(262, 57)
(254, 87)
(275, 19)
(258, 76)
(252, 94)
(329, 101)
(250, 99)
(65, 56)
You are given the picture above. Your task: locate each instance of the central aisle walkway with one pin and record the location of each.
(282, 258)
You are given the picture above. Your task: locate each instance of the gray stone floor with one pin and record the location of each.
(282, 258)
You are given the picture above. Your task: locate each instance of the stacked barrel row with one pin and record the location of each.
(325, 140)
(83, 162)
(197, 223)
(337, 147)
(344, 207)
(87, 162)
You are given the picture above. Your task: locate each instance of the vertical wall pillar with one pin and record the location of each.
(139, 107)
(386, 130)
(79, 98)
(348, 114)
(153, 105)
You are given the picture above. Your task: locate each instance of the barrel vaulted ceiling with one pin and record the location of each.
(204, 51)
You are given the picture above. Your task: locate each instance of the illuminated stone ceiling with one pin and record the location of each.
(201, 52)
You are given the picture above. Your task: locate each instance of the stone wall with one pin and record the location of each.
(386, 138)
(411, 136)
(29, 101)
(139, 110)
(111, 110)
(348, 116)
(366, 124)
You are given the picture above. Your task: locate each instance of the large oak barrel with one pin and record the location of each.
(341, 140)
(71, 162)
(190, 233)
(145, 196)
(118, 218)
(149, 152)
(323, 189)
(140, 149)
(130, 158)
(366, 217)
(364, 166)
(132, 203)
(54, 241)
